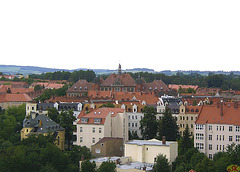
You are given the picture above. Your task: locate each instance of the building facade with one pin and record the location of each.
(146, 151)
(41, 124)
(216, 127)
(100, 123)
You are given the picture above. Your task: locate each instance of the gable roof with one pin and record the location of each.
(123, 79)
(15, 98)
(220, 113)
(101, 113)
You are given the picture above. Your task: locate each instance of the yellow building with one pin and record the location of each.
(43, 125)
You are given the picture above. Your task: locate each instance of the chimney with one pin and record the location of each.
(82, 157)
(221, 108)
(163, 140)
(235, 105)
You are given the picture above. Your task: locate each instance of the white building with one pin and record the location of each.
(145, 151)
(103, 122)
(217, 127)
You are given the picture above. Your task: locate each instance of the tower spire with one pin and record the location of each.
(119, 69)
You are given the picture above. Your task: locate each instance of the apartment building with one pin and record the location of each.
(216, 127)
(100, 123)
(187, 117)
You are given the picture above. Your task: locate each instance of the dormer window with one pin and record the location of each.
(75, 88)
(84, 120)
(80, 88)
(97, 120)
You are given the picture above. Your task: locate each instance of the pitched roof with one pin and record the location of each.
(220, 113)
(176, 87)
(15, 98)
(157, 85)
(123, 79)
(81, 85)
(42, 124)
(101, 113)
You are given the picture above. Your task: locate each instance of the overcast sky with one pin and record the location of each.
(161, 35)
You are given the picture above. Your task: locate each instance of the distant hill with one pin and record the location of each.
(26, 70)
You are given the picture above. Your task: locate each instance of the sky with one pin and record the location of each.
(100, 34)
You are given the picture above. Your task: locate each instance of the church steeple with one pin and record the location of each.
(119, 69)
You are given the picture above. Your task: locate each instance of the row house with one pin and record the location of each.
(216, 127)
(100, 123)
(187, 117)
(42, 108)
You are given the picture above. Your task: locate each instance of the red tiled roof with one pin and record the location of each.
(15, 98)
(100, 113)
(212, 114)
(54, 86)
(176, 87)
(125, 79)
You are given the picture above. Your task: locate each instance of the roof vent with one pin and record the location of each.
(99, 112)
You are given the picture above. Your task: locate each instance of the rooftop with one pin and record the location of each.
(153, 142)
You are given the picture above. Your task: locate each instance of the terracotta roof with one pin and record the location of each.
(176, 87)
(193, 109)
(54, 86)
(104, 139)
(15, 98)
(124, 79)
(81, 85)
(99, 113)
(157, 85)
(220, 113)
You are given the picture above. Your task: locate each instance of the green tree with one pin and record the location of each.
(149, 124)
(185, 142)
(161, 164)
(168, 126)
(53, 114)
(108, 166)
(66, 121)
(87, 166)
(38, 87)
(206, 165)
(77, 152)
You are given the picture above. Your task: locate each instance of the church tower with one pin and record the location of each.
(119, 69)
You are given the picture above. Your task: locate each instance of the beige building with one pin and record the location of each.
(145, 151)
(100, 123)
(187, 117)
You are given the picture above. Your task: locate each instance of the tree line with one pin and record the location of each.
(222, 81)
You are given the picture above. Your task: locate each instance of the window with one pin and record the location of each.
(237, 128)
(199, 146)
(93, 140)
(81, 139)
(97, 120)
(97, 150)
(93, 130)
(223, 137)
(217, 128)
(81, 129)
(230, 128)
(135, 124)
(217, 147)
(199, 127)
(191, 118)
(100, 130)
(223, 128)
(210, 137)
(210, 146)
(84, 120)
(210, 128)
(237, 138)
(230, 138)
(32, 108)
(210, 156)
(199, 136)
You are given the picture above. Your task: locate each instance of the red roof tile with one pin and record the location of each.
(225, 113)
